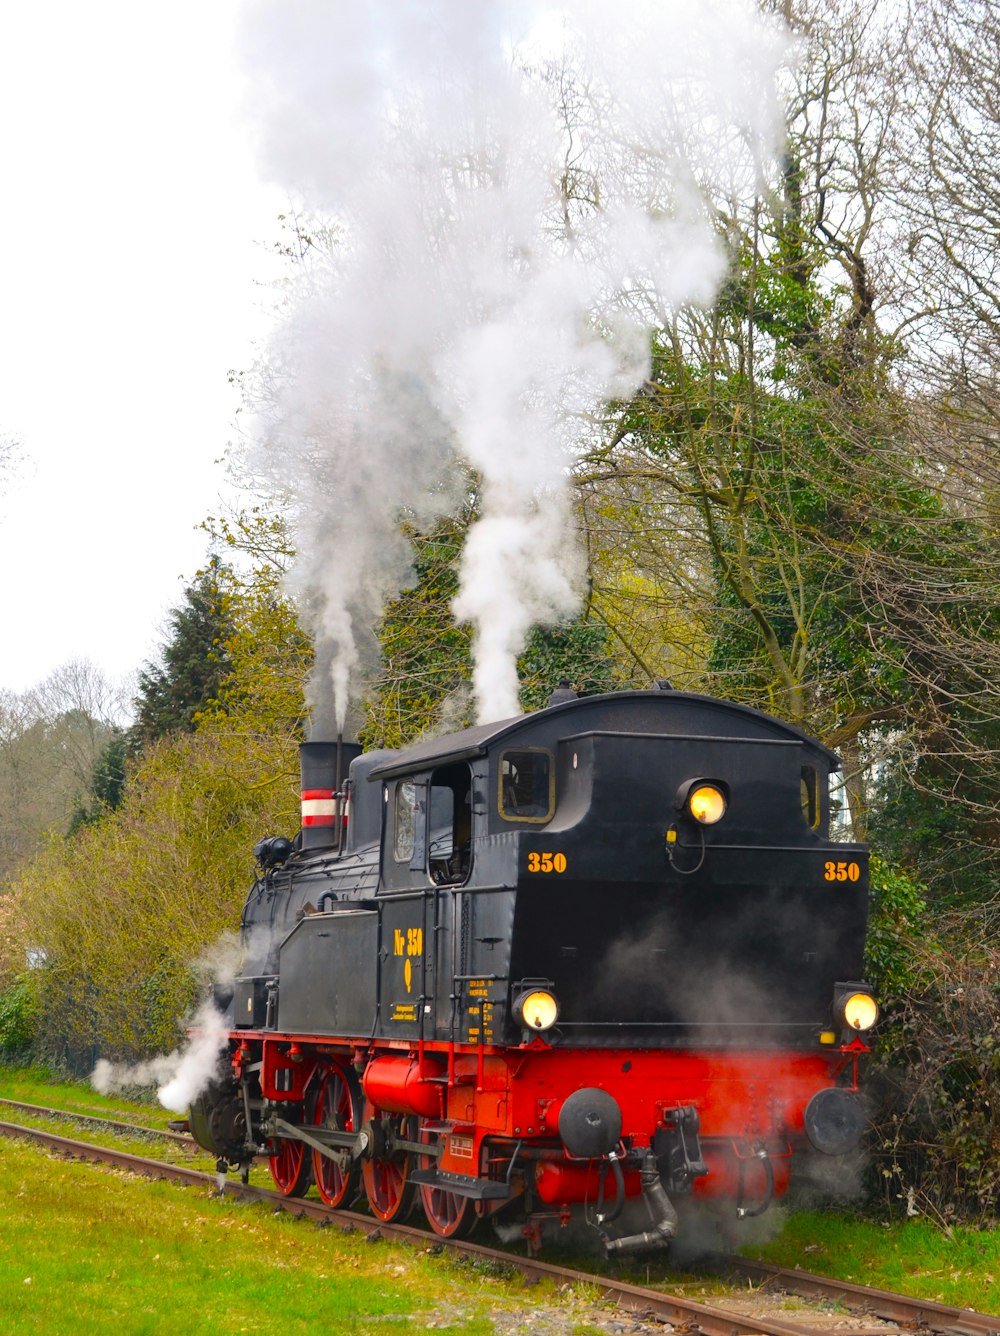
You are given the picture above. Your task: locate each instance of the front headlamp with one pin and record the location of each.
(854, 1006)
(860, 1011)
(704, 800)
(536, 1010)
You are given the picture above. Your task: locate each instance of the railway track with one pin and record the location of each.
(111, 1124)
(828, 1305)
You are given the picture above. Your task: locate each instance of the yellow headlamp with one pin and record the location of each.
(536, 1010)
(704, 800)
(854, 1007)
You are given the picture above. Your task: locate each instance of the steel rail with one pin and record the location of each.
(40, 1111)
(927, 1313)
(692, 1315)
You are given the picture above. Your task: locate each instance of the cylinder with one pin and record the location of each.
(590, 1122)
(558, 1183)
(397, 1086)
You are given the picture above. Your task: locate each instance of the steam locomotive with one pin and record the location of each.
(599, 954)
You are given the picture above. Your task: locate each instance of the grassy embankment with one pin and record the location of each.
(93, 1252)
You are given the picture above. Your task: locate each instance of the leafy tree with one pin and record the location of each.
(946, 193)
(423, 681)
(50, 738)
(12, 958)
(773, 475)
(939, 800)
(269, 659)
(269, 656)
(897, 917)
(939, 811)
(255, 532)
(937, 1079)
(122, 912)
(17, 1021)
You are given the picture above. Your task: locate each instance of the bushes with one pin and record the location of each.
(116, 915)
(17, 1020)
(933, 1084)
(935, 1080)
(898, 914)
(123, 910)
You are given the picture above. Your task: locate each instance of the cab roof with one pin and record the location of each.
(650, 712)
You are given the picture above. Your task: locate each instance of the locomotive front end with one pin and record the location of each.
(693, 926)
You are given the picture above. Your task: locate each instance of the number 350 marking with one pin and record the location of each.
(546, 862)
(841, 871)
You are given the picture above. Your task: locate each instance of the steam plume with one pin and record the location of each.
(518, 198)
(182, 1075)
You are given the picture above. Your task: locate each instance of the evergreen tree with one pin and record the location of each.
(424, 677)
(425, 667)
(194, 661)
(576, 652)
(107, 785)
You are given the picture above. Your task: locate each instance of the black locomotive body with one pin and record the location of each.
(602, 951)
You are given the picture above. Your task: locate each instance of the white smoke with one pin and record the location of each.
(182, 1075)
(518, 191)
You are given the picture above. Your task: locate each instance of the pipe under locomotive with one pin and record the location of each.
(604, 951)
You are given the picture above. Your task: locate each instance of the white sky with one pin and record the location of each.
(133, 242)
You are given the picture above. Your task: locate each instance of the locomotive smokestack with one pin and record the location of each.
(324, 767)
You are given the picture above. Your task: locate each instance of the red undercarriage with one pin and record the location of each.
(478, 1104)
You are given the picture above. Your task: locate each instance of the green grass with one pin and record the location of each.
(87, 1251)
(36, 1085)
(957, 1266)
(40, 1088)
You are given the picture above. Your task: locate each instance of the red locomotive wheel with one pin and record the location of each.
(448, 1214)
(290, 1168)
(336, 1105)
(386, 1171)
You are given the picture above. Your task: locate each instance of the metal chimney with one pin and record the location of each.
(324, 767)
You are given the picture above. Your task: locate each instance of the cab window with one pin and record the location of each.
(449, 849)
(809, 790)
(402, 842)
(527, 787)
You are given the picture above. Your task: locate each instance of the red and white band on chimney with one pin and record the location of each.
(319, 807)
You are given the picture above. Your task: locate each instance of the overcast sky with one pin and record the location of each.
(134, 242)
